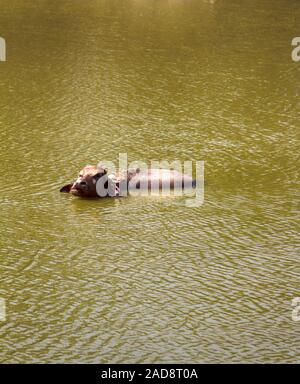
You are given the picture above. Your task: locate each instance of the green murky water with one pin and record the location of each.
(137, 279)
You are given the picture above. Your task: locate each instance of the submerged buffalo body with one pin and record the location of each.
(94, 181)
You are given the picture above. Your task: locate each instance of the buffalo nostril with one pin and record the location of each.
(82, 183)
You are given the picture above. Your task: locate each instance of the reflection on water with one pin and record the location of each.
(137, 279)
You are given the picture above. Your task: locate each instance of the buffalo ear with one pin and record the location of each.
(101, 169)
(66, 188)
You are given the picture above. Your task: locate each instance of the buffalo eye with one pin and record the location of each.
(98, 175)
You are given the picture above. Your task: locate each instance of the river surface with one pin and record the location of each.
(150, 280)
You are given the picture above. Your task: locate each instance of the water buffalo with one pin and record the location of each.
(94, 181)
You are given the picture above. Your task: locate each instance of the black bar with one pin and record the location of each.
(140, 373)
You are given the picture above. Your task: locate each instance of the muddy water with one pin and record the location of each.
(148, 279)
